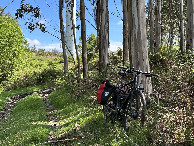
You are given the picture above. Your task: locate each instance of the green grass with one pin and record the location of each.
(82, 119)
(5, 95)
(78, 120)
(27, 123)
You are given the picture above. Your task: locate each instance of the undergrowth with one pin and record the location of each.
(38, 70)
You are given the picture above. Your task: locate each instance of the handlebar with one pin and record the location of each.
(150, 75)
(131, 70)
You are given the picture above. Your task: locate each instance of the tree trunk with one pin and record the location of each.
(181, 27)
(125, 34)
(83, 37)
(158, 24)
(63, 35)
(70, 44)
(139, 51)
(171, 30)
(103, 33)
(130, 24)
(152, 32)
(74, 36)
(171, 38)
(190, 24)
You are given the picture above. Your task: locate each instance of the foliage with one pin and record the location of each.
(35, 14)
(175, 86)
(1, 11)
(13, 50)
(27, 123)
(92, 50)
(170, 20)
(43, 52)
(39, 70)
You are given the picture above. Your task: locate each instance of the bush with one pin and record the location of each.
(39, 70)
(175, 84)
(13, 47)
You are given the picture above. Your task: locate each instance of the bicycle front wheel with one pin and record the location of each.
(135, 106)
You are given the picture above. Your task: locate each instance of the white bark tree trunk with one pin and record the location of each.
(63, 35)
(69, 31)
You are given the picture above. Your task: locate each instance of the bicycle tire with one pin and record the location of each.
(134, 104)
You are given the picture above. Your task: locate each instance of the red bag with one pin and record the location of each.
(99, 92)
(104, 92)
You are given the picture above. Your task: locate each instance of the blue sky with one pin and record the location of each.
(49, 12)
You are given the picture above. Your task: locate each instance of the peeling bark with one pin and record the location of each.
(125, 33)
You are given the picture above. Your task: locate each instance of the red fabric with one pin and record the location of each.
(99, 92)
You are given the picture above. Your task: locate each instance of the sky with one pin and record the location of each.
(50, 17)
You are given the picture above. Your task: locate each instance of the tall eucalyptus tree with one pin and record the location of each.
(138, 41)
(73, 5)
(70, 44)
(102, 21)
(190, 24)
(181, 27)
(61, 2)
(83, 37)
(125, 33)
(151, 24)
(158, 24)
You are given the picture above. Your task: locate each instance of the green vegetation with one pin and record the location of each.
(13, 48)
(27, 123)
(38, 70)
(5, 95)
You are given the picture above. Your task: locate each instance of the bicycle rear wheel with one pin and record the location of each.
(135, 106)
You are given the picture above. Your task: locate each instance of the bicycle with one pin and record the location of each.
(136, 100)
(116, 104)
(126, 103)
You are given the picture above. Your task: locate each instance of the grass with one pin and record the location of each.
(81, 119)
(27, 123)
(5, 95)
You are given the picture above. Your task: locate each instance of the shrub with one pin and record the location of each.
(13, 47)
